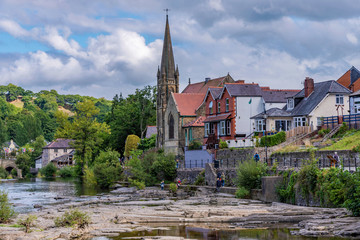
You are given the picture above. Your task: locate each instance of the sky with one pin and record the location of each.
(105, 47)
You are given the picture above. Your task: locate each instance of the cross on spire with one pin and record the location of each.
(167, 11)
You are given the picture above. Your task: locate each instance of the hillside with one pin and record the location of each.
(349, 141)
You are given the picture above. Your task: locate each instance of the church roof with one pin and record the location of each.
(202, 87)
(187, 103)
(198, 122)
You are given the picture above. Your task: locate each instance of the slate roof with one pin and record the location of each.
(215, 91)
(59, 143)
(198, 122)
(217, 118)
(321, 89)
(187, 103)
(150, 130)
(277, 95)
(354, 74)
(243, 89)
(273, 112)
(202, 87)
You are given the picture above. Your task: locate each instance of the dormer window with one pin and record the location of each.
(211, 107)
(339, 99)
(290, 103)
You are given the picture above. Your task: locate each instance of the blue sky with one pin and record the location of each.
(101, 48)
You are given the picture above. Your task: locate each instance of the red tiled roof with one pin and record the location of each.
(198, 122)
(202, 87)
(217, 118)
(187, 103)
(60, 143)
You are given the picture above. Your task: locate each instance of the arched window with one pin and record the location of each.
(171, 126)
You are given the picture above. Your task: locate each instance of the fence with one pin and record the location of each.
(352, 120)
(347, 162)
(298, 131)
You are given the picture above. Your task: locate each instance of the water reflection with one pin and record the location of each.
(210, 234)
(25, 194)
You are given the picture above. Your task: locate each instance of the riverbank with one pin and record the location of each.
(128, 210)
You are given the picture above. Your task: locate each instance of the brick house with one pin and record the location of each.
(350, 79)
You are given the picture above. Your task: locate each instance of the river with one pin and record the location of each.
(27, 194)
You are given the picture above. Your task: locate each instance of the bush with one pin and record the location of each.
(137, 184)
(3, 173)
(131, 144)
(242, 192)
(273, 140)
(6, 209)
(49, 170)
(323, 132)
(223, 144)
(106, 175)
(27, 222)
(147, 143)
(307, 179)
(13, 172)
(249, 174)
(89, 177)
(67, 171)
(287, 191)
(200, 179)
(342, 130)
(172, 187)
(195, 145)
(73, 218)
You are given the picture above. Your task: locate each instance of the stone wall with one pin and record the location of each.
(349, 159)
(230, 158)
(188, 176)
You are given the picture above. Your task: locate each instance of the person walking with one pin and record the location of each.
(222, 179)
(218, 184)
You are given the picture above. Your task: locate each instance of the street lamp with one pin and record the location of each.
(265, 117)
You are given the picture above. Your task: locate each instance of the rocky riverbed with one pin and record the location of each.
(128, 210)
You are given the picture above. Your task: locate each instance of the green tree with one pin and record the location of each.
(23, 161)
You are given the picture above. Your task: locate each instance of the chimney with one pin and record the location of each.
(207, 79)
(308, 86)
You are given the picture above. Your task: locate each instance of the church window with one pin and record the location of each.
(171, 127)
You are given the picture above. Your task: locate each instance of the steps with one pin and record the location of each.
(331, 133)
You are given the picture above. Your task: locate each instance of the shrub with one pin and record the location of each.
(49, 170)
(195, 145)
(148, 143)
(89, 176)
(73, 218)
(249, 174)
(13, 172)
(131, 144)
(323, 132)
(6, 210)
(200, 179)
(67, 171)
(106, 175)
(242, 192)
(172, 188)
(342, 130)
(137, 184)
(223, 144)
(287, 191)
(27, 222)
(3, 173)
(307, 179)
(273, 140)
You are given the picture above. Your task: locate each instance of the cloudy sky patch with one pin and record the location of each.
(101, 48)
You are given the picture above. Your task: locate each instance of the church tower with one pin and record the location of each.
(167, 82)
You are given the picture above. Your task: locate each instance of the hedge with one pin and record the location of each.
(273, 140)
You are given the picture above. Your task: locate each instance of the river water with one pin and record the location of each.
(25, 194)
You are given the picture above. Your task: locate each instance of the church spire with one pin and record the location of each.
(167, 60)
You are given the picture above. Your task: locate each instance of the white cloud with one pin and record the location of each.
(352, 38)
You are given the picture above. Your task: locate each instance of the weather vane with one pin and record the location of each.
(167, 11)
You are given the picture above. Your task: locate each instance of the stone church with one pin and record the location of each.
(179, 115)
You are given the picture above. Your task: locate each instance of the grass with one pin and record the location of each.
(350, 140)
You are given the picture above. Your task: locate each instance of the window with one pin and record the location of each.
(207, 129)
(65, 150)
(219, 109)
(212, 128)
(259, 125)
(227, 105)
(171, 126)
(290, 103)
(222, 128)
(339, 99)
(211, 107)
(55, 150)
(300, 121)
(228, 127)
(282, 125)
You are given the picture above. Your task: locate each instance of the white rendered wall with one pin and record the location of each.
(244, 111)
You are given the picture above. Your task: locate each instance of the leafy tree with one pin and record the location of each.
(131, 144)
(23, 161)
(49, 170)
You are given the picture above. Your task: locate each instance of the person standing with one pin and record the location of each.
(256, 157)
(162, 184)
(223, 179)
(218, 184)
(337, 160)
